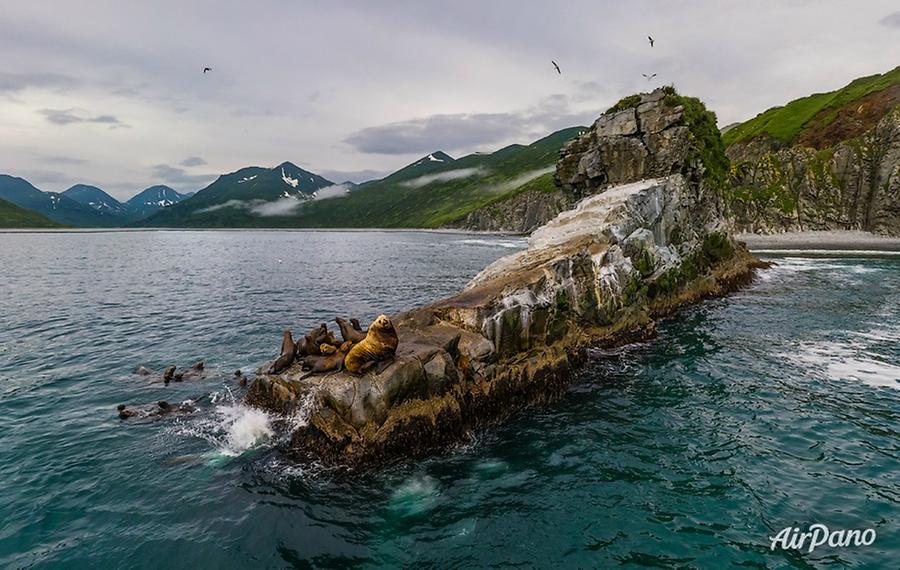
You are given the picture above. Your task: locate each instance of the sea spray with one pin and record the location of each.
(245, 427)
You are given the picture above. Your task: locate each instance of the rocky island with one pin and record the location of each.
(648, 234)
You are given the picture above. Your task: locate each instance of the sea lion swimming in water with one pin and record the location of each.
(288, 352)
(348, 331)
(379, 345)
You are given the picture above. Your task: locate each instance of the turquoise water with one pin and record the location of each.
(775, 407)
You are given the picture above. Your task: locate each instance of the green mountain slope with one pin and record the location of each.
(830, 161)
(12, 216)
(789, 123)
(442, 196)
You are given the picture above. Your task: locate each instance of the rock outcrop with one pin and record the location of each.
(853, 185)
(646, 237)
(521, 214)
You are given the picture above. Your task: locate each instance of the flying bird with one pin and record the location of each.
(651, 40)
(556, 66)
(649, 77)
(205, 69)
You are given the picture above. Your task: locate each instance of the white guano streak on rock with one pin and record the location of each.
(592, 215)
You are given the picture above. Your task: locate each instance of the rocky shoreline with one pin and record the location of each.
(646, 237)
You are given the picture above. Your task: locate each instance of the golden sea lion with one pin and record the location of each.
(379, 345)
(348, 331)
(288, 351)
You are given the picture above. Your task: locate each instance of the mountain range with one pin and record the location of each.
(85, 206)
(826, 161)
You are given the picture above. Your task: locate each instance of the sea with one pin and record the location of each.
(775, 407)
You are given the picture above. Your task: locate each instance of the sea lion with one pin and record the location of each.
(198, 366)
(288, 352)
(154, 411)
(355, 323)
(348, 331)
(168, 374)
(310, 342)
(311, 345)
(333, 361)
(326, 349)
(379, 345)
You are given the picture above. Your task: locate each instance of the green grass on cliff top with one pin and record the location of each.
(12, 216)
(703, 125)
(785, 123)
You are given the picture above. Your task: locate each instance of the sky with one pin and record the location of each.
(112, 93)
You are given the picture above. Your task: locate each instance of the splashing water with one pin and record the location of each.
(245, 427)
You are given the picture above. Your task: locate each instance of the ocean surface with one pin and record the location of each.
(777, 406)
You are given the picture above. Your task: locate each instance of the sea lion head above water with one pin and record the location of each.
(380, 344)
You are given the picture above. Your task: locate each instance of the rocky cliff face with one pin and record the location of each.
(646, 237)
(852, 185)
(521, 214)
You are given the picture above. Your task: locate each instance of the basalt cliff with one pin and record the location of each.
(829, 161)
(646, 236)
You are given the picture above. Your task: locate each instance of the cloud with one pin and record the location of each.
(445, 176)
(174, 175)
(333, 191)
(520, 179)
(240, 204)
(891, 20)
(70, 116)
(281, 207)
(10, 82)
(437, 131)
(193, 161)
(56, 159)
(354, 175)
(470, 130)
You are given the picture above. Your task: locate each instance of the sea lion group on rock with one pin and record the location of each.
(318, 351)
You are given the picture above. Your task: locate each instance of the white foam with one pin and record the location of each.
(846, 361)
(415, 495)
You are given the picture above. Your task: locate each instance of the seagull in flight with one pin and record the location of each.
(651, 40)
(556, 66)
(649, 77)
(205, 69)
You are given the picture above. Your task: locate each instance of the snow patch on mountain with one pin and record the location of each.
(293, 182)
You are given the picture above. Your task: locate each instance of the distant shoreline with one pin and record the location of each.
(136, 230)
(830, 242)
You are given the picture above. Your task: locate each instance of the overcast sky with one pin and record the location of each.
(113, 94)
